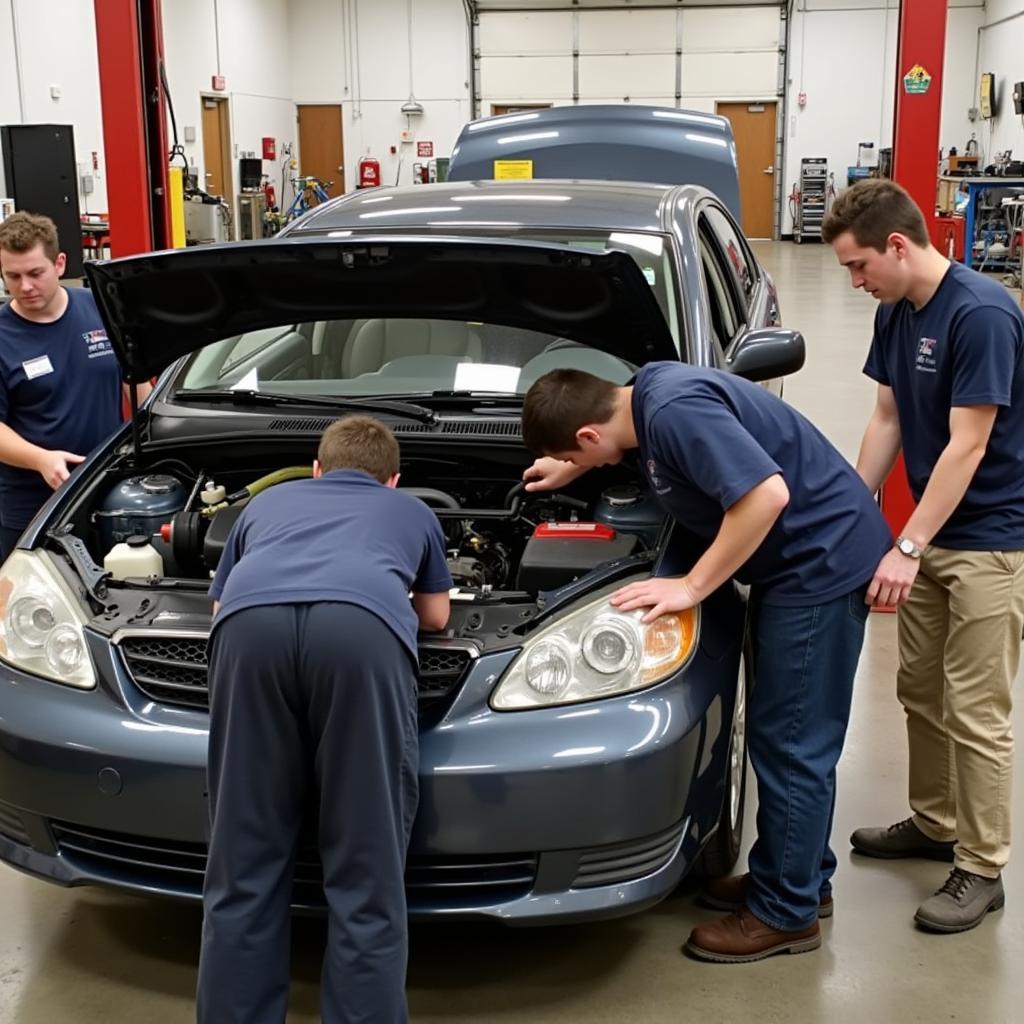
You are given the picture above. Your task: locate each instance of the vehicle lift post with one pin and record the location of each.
(915, 149)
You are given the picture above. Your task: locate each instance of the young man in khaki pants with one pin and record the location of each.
(948, 357)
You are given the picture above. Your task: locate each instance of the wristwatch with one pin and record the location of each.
(905, 546)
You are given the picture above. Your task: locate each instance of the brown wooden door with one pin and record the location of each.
(518, 108)
(216, 147)
(753, 125)
(321, 147)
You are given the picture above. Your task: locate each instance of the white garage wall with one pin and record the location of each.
(356, 52)
(275, 53)
(843, 55)
(57, 43)
(629, 56)
(244, 42)
(1002, 53)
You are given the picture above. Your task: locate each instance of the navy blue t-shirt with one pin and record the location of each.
(707, 437)
(60, 388)
(964, 347)
(345, 537)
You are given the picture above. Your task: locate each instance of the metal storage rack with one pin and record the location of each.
(812, 199)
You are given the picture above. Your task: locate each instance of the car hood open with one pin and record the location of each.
(160, 306)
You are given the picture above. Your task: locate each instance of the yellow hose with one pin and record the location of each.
(251, 490)
(278, 477)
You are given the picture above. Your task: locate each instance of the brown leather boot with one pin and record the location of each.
(731, 894)
(742, 938)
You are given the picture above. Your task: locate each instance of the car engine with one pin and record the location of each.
(499, 536)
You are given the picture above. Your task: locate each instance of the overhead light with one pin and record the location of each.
(412, 106)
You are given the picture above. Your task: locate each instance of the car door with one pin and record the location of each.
(735, 286)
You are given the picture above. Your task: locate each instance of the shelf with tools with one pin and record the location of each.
(991, 232)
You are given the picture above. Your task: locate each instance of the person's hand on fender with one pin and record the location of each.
(661, 594)
(893, 580)
(55, 466)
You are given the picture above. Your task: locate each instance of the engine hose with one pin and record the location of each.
(278, 477)
(431, 494)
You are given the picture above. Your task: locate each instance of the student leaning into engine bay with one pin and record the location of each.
(313, 662)
(782, 511)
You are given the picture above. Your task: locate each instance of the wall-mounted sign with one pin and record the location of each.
(218, 84)
(917, 80)
(424, 149)
(513, 170)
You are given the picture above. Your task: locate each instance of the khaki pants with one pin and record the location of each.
(959, 646)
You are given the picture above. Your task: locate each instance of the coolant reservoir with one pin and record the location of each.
(134, 557)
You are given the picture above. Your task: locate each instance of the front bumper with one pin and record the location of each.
(588, 811)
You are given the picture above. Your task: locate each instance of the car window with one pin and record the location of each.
(738, 261)
(651, 251)
(393, 355)
(723, 305)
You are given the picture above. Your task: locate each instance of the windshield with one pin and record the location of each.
(392, 356)
(405, 356)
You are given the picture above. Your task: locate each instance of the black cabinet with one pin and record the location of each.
(42, 177)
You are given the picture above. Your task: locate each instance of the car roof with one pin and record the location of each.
(553, 204)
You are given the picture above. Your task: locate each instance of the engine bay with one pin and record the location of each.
(172, 521)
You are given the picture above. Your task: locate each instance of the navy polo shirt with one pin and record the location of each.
(60, 388)
(964, 347)
(707, 437)
(345, 537)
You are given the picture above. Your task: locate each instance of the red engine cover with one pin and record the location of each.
(582, 531)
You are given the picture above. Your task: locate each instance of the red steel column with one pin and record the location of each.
(130, 49)
(920, 52)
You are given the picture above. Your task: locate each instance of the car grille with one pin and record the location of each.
(172, 669)
(455, 881)
(11, 825)
(625, 862)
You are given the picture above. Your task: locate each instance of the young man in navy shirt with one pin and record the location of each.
(313, 691)
(948, 357)
(784, 512)
(60, 383)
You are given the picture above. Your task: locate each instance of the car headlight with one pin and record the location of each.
(597, 652)
(42, 622)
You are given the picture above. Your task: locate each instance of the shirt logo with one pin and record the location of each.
(925, 362)
(652, 472)
(97, 343)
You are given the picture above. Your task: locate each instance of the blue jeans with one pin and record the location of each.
(805, 660)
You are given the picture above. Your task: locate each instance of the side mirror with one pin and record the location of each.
(766, 353)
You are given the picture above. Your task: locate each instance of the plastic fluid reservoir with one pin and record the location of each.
(140, 504)
(134, 557)
(628, 509)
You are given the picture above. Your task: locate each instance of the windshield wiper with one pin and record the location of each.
(509, 400)
(245, 396)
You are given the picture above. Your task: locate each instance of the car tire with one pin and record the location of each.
(721, 851)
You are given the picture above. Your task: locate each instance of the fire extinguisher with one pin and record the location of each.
(369, 172)
(268, 191)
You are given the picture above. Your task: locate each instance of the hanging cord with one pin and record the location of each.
(176, 149)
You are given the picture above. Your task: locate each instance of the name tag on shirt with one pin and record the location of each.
(38, 367)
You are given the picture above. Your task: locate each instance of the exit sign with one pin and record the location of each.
(218, 83)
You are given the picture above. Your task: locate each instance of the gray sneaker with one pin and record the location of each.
(904, 839)
(962, 902)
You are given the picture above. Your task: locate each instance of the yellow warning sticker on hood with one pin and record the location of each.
(513, 170)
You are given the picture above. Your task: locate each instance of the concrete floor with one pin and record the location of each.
(89, 957)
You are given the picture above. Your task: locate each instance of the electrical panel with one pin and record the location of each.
(42, 177)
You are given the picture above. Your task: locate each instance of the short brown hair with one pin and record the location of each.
(872, 210)
(22, 232)
(561, 402)
(359, 442)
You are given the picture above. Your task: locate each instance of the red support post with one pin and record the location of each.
(130, 49)
(920, 52)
